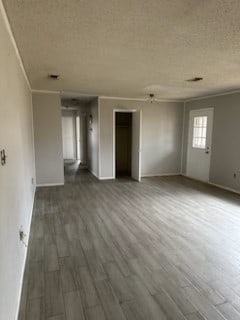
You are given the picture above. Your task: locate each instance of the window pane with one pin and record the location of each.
(199, 132)
(204, 121)
(204, 132)
(195, 132)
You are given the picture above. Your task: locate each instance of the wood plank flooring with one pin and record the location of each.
(165, 248)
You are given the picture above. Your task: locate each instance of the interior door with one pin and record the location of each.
(69, 138)
(199, 144)
(136, 144)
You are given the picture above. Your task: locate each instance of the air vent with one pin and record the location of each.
(195, 79)
(53, 76)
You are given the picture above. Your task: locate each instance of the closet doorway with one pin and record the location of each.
(127, 144)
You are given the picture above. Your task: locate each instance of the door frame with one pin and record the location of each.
(74, 123)
(114, 136)
(188, 140)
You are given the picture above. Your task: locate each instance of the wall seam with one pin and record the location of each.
(99, 139)
(183, 136)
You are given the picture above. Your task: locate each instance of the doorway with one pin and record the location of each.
(199, 144)
(127, 144)
(123, 144)
(70, 134)
(75, 110)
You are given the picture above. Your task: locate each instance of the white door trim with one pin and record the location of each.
(114, 136)
(139, 151)
(200, 111)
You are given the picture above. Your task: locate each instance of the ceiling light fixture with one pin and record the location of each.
(151, 97)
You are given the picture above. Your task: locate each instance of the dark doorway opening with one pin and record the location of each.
(123, 144)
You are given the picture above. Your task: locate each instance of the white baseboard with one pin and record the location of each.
(214, 184)
(224, 188)
(106, 178)
(25, 258)
(93, 173)
(50, 184)
(199, 180)
(146, 175)
(161, 174)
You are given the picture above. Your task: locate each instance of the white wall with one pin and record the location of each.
(161, 135)
(48, 138)
(16, 187)
(93, 138)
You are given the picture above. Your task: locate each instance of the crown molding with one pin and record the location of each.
(212, 95)
(107, 97)
(139, 99)
(46, 91)
(9, 30)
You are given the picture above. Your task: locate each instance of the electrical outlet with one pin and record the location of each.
(21, 235)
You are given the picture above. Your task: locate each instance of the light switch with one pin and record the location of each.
(3, 157)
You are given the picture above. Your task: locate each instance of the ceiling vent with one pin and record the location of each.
(53, 76)
(195, 79)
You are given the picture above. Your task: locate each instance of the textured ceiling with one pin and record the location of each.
(129, 47)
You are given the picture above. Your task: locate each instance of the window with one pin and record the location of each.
(199, 132)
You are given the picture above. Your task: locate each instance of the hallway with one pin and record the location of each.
(166, 248)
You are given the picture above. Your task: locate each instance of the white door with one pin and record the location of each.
(199, 144)
(136, 145)
(69, 137)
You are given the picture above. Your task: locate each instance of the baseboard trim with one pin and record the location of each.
(161, 174)
(147, 175)
(213, 184)
(106, 178)
(224, 188)
(25, 258)
(93, 173)
(50, 184)
(194, 179)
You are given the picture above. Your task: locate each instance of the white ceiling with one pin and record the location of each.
(129, 48)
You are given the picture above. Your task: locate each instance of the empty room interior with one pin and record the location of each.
(119, 160)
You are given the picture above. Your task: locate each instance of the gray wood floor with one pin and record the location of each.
(166, 248)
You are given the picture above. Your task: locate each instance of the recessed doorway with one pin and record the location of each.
(127, 144)
(123, 144)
